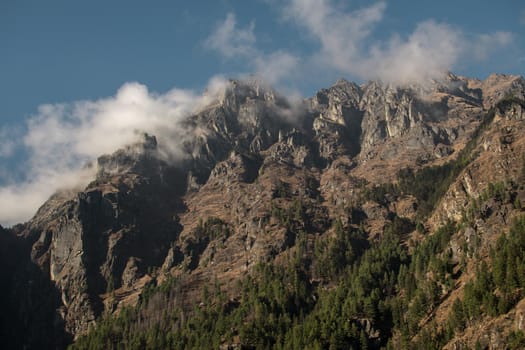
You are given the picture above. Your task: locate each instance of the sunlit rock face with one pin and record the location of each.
(248, 152)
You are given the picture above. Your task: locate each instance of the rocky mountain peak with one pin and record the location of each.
(342, 92)
(500, 86)
(248, 118)
(140, 157)
(238, 92)
(267, 181)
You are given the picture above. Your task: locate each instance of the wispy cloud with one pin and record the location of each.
(276, 66)
(62, 138)
(341, 35)
(230, 40)
(347, 45)
(234, 42)
(9, 141)
(485, 44)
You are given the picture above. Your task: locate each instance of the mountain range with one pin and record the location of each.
(367, 216)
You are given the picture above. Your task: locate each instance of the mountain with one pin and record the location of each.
(367, 215)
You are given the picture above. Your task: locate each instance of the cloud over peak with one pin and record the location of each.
(346, 44)
(62, 138)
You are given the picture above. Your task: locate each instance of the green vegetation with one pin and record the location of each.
(282, 190)
(205, 232)
(508, 101)
(279, 307)
(516, 340)
(522, 174)
(429, 184)
(381, 193)
(422, 283)
(365, 295)
(293, 215)
(494, 291)
(340, 290)
(333, 255)
(212, 228)
(498, 192)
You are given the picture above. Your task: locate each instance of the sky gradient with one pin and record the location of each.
(56, 53)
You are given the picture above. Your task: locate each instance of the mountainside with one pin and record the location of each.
(365, 216)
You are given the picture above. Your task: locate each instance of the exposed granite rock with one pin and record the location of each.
(401, 116)
(139, 158)
(337, 122)
(92, 241)
(236, 167)
(253, 161)
(500, 86)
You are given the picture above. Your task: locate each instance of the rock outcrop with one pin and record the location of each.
(259, 169)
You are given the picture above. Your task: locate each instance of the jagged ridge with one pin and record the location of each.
(253, 156)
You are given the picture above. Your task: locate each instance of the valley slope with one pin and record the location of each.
(368, 215)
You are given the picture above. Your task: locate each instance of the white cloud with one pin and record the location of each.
(69, 134)
(62, 138)
(426, 54)
(483, 45)
(341, 35)
(275, 66)
(8, 141)
(18, 202)
(232, 42)
(346, 43)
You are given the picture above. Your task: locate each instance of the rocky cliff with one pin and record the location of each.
(261, 175)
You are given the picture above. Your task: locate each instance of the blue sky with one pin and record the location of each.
(58, 52)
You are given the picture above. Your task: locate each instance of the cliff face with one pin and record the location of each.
(253, 159)
(92, 242)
